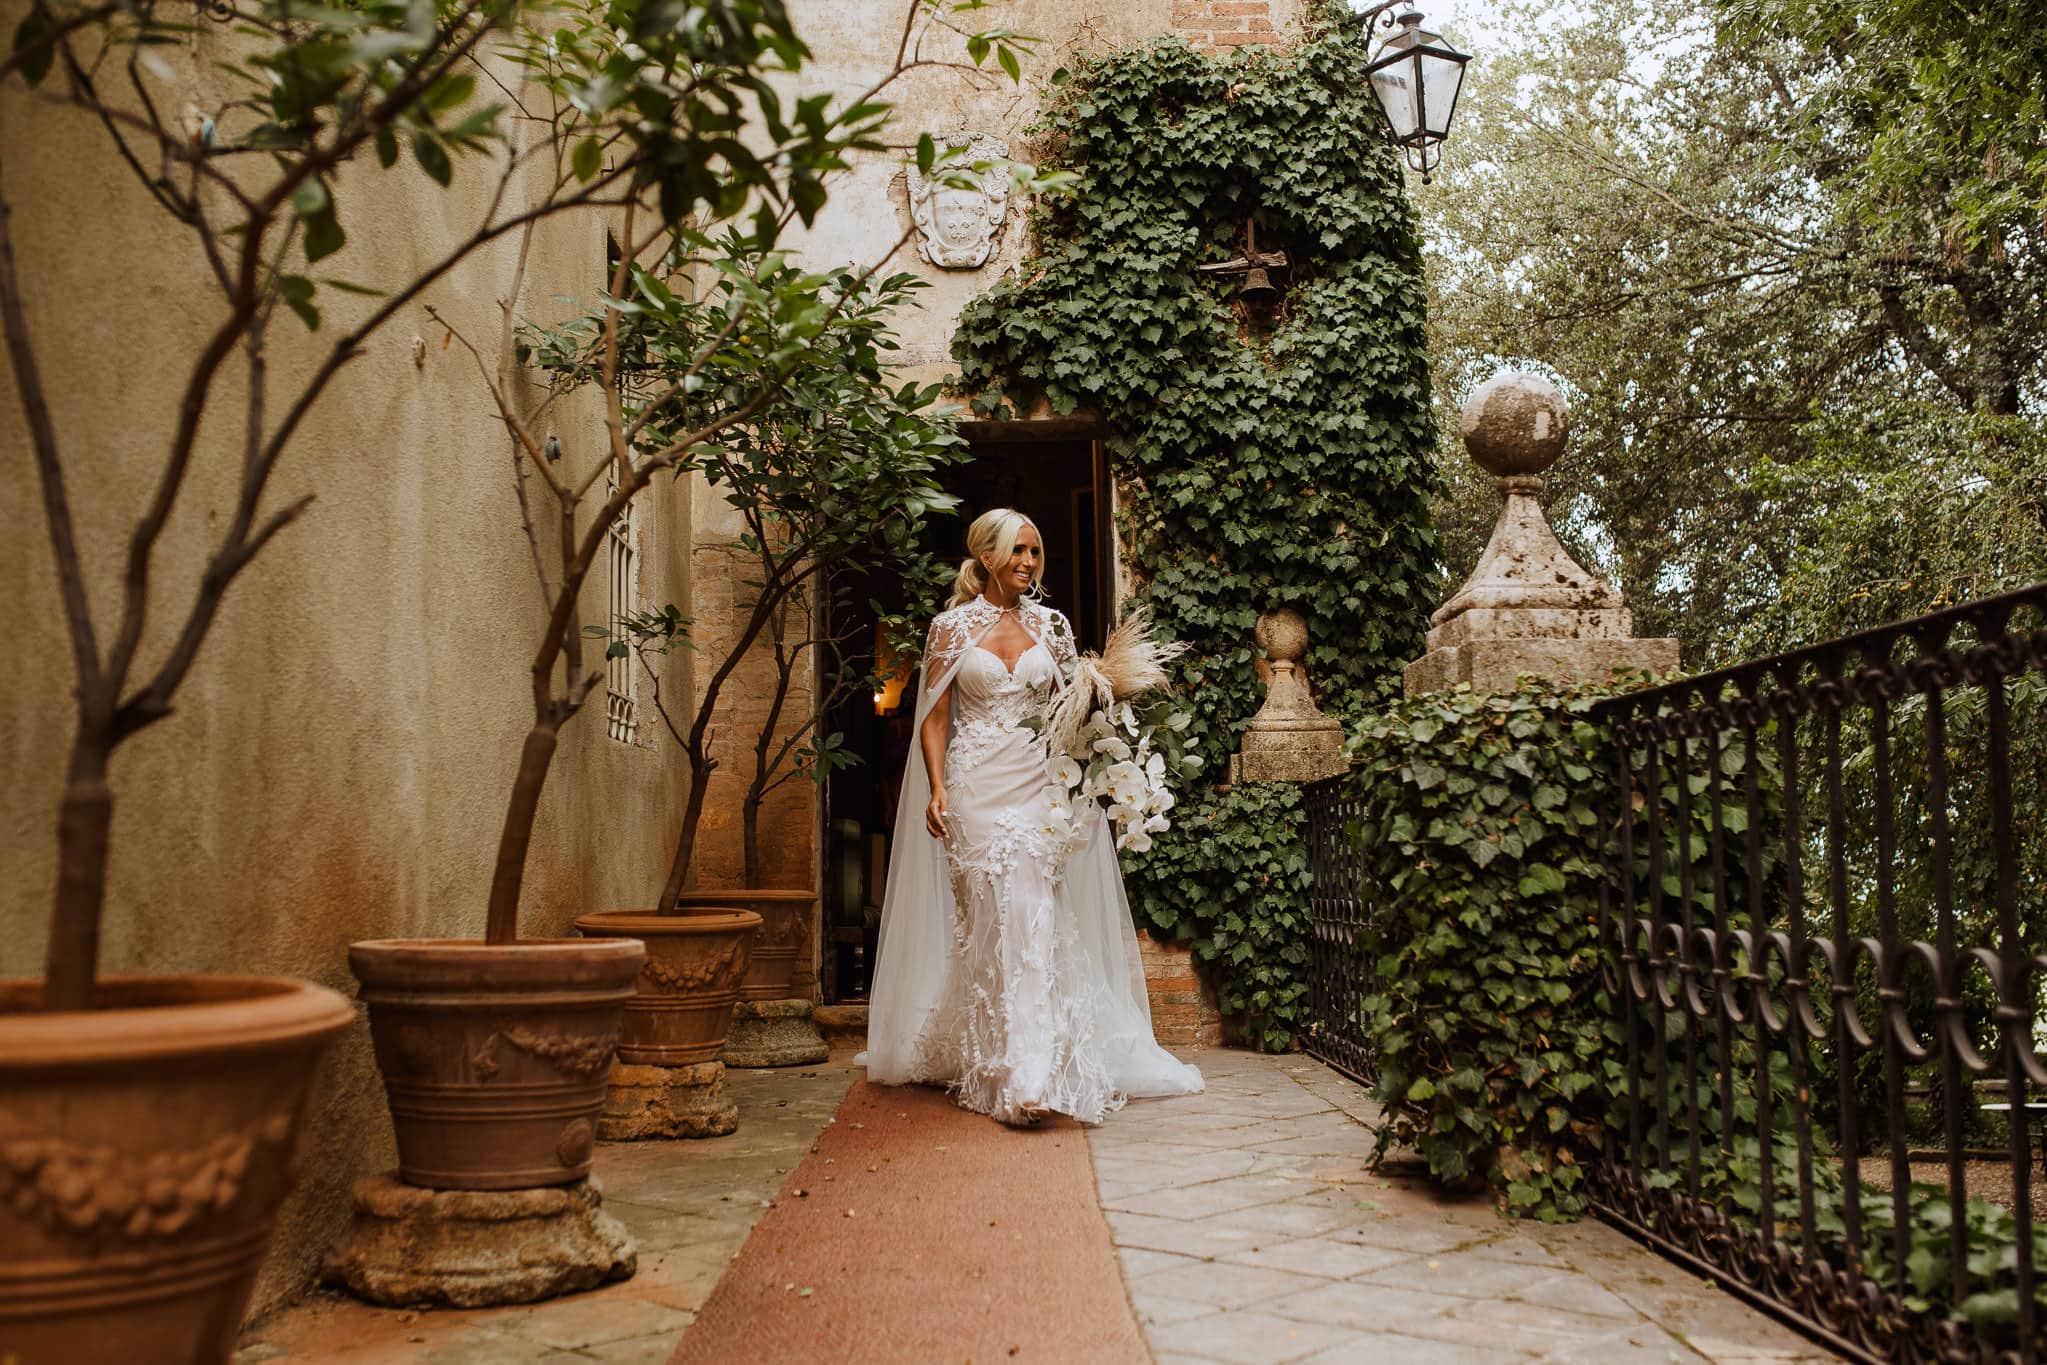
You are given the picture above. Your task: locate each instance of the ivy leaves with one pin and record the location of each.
(1480, 856)
(1254, 471)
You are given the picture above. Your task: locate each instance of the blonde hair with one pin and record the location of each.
(993, 535)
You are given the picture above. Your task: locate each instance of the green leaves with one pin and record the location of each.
(297, 293)
(35, 45)
(432, 158)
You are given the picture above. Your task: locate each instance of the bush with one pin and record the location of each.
(1501, 1052)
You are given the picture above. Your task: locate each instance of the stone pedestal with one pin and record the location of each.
(1528, 608)
(773, 1033)
(1289, 740)
(479, 1248)
(644, 1102)
(843, 1026)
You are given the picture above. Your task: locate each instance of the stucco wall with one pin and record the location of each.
(339, 760)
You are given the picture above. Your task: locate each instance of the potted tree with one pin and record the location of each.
(151, 1121)
(832, 482)
(495, 1053)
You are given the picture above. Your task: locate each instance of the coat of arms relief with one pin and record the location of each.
(958, 224)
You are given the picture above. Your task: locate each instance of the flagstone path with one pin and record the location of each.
(1247, 1231)
(1250, 1234)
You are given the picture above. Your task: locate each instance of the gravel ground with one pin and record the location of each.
(1990, 1181)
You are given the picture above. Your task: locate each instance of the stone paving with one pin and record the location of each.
(689, 1205)
(1250, 1234)
(1248, 1231)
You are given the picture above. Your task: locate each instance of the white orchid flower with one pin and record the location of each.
(1065, 772)
(1113, 746)
(1158, 824)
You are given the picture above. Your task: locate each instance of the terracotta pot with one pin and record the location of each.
(495, 1057)
(688, 986)
(144, 1149)
(786, 922)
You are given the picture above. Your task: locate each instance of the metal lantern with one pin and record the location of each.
(1416, 77)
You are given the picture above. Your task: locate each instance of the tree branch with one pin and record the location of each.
(42, 431)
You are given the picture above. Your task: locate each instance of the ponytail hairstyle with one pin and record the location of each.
(992, 536)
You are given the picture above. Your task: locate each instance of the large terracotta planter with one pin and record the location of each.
(495, 1057)
(785, 917)
(144, 1149)
(687, 987)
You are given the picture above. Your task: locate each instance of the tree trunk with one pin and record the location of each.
(750, 835)
(534, 760)
(700, 766)
(85, 819)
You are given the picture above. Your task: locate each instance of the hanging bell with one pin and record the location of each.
(1258, 290)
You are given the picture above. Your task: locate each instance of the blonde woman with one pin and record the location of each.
(1007, 971)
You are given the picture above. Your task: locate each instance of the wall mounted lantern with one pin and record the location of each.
(1416, 76)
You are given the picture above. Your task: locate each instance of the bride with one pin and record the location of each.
(1002, 975)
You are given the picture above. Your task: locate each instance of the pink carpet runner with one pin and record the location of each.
(916, 1232)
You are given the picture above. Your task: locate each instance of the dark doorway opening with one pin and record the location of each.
(1061, 484)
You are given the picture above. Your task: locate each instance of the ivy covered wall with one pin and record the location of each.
(1256, 467)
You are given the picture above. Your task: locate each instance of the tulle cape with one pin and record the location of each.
(911, 960)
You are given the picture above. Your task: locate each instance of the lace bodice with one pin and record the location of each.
(955, 632)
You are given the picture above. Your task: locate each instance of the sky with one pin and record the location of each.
(1468, 20)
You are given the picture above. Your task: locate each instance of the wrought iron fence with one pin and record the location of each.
(1825, 925)
(1339, 972)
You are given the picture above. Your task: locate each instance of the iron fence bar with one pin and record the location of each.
(1947, 1004)
(1926, 857)
(1339, 978)
(1687, 993)
(2010, 992)
(1796, 1005)
(1759, 993)
(1841, 976)
(1891, 994)
(1722, 959)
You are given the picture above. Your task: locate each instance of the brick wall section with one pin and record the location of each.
(1219, 25)
(1183, 1008)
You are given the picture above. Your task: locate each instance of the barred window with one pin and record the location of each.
(621, 716)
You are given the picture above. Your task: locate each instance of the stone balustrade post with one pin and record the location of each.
(1528, 608)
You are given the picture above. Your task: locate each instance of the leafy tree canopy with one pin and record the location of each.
(1786, 257)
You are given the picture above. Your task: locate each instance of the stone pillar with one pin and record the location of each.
(1528, 607)
(1289, 740)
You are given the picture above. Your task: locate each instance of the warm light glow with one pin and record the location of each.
(894, 674)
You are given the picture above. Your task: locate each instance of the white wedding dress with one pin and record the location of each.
(1004, 974)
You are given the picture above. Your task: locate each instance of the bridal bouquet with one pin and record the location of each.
(1113, 738)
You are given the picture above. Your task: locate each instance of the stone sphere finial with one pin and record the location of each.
(1283, 635)
(1514, 424)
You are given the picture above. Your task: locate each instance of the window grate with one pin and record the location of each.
(621, 714)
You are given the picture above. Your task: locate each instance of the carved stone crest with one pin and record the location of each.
(957, 226)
